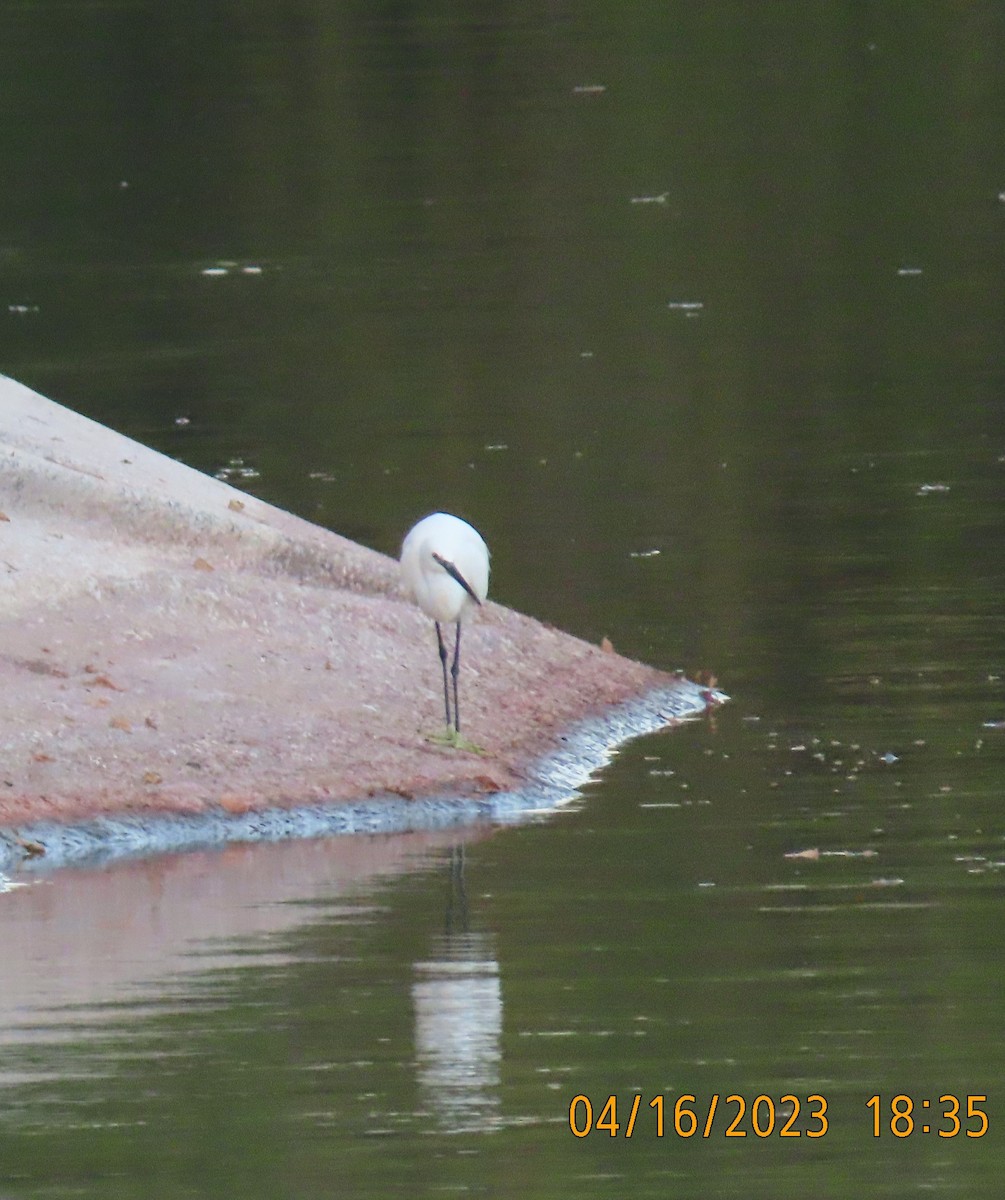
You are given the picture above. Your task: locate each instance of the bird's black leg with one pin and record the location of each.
(455, 670)
(443, 663)
(458, 920)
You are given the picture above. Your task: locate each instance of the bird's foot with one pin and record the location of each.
(455, 740)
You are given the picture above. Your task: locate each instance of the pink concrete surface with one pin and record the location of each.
(171, 644)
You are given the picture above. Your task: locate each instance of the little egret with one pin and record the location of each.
(445, 564)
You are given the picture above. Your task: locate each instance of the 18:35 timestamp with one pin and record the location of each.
(764, 1116)
(903, 1116)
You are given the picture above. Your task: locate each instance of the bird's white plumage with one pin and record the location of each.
(438, 539)
(445, 564)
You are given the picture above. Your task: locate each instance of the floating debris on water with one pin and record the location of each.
(589, 89)
(813, 853)
(22, 310)
(932, 489)
(688, 308)
(909, 271)
(889, 758)
(224, 266)
(662, 198)
(643, 553)
(236, 468)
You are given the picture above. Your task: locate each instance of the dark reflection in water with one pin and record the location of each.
(696, 311)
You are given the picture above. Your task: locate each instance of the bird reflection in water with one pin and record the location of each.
(458, 1019)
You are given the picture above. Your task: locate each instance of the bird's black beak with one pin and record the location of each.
(453, 572)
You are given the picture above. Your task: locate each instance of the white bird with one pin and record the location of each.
(445, 565)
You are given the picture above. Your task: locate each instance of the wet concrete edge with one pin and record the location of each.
(44, 846)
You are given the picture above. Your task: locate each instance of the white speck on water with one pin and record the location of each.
(660, 199)
(236, 468)
(889, 758)
(496, 447)
(589, 89)
(909, 272)
(181, 422)
(214, 272)
(686, 306)
(643, 553)
(932, 489)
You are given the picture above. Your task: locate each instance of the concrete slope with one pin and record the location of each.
(170, 645)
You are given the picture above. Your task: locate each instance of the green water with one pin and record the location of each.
(695, 309)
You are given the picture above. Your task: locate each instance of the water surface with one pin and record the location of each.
(697, 314)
